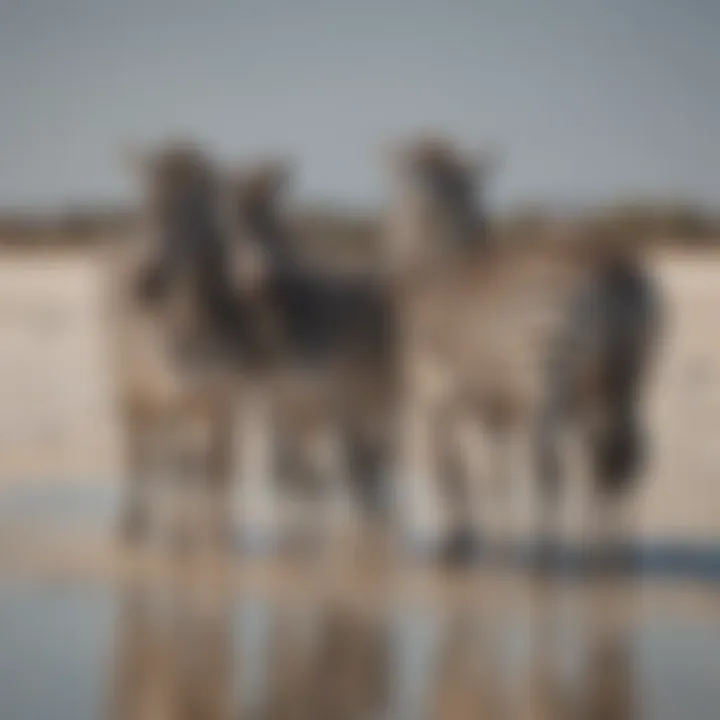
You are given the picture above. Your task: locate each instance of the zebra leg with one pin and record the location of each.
(617, 453)
(469, 447)
(508, 444)
(219, 480)
(135, 511)
(421, 507)
(260, 521)
(329, 463)
(548, 468)
(366, 465)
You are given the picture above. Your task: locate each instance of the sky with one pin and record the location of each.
(586, 101)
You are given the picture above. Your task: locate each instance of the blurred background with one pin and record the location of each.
(605, 117)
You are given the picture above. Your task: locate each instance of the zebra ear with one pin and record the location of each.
(134, 159)
(278, 176)
(236, 179)
(486, 161)
(249, 265)
(264, 180)
(393, 158)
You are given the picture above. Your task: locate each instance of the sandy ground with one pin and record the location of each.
(55, 405)
(682, 493)
(56, 412)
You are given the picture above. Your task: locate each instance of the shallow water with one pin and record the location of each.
(55, 650)
(76, 651)
(77, 644)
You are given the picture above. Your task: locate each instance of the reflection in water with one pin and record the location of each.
(609, 688)
(214, 655)
(581, 664)
(254, 632)
(416, 640)
(174, 658)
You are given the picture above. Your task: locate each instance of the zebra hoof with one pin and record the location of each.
(133, 529)
(424, 546)
(461, 548)
(259, 541)
(616, 559)
(547, 557)
(424, 536)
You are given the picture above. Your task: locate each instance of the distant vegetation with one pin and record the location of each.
(331, 231)
(636, 222)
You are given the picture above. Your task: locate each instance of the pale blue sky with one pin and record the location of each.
(589, 99)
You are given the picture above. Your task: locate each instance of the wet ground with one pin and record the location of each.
(88, 631)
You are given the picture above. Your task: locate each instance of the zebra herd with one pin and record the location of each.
(387, 390)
